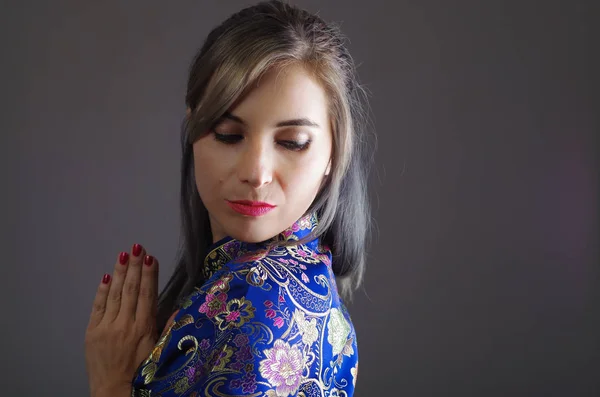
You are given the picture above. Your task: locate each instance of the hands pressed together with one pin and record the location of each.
(122, 329)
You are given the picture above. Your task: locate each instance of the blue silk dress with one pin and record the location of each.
(268, 322)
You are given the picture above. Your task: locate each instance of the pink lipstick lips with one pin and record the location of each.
(250, 208)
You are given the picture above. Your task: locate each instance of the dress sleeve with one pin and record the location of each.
(264, 354)
(244, 338)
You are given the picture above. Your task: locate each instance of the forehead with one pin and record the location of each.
(289, 92)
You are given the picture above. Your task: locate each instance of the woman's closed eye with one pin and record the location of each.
(228, 138)
(295, 145)
(292, 145)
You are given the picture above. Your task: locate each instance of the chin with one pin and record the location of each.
(250, 237)
(252, 232)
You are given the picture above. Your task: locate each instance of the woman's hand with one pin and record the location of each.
(122, 328)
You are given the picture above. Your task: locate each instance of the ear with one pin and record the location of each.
(328, 168)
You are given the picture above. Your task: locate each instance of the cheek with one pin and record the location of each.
(303, 179)
(209, 167)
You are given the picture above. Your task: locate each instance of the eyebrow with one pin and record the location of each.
(301, 122)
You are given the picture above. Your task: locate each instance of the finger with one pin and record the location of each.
(148, 296)
(113, 303)
(131, 285)
(99, 305)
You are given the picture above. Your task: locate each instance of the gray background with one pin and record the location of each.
(484, 274)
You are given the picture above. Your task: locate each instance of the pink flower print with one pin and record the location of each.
(302, 253)
(233, 316)
(268, 304)
(283, 260)
(237, 313)
(241, 340)
(293, 262)
(278, 322)
(304, 277)
(303, 267)
(214, 304)
(290, 230)
(219, 285)
(282, 368)
(281, 299)
(270, 313)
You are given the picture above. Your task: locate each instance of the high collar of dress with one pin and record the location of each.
(229, 249)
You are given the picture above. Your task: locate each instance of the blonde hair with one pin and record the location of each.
(233, 58)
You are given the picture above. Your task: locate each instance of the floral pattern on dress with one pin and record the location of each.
(283, 367)
(268, 322)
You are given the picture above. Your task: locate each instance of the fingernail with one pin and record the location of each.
(137, 249)
(106, 279)
(123, 258)
(148, 260)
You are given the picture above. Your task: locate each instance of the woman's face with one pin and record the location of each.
(274, 148)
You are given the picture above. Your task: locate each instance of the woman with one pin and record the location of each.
(274, 208)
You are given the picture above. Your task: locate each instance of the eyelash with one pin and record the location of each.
(231, 139)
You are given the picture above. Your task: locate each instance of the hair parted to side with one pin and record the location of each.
(230, 62)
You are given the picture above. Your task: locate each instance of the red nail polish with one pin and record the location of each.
(106, 278)
(148, 260)
(137, 249)
(123, 258)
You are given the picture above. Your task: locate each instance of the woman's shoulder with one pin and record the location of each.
(285, 304)
(253, 319)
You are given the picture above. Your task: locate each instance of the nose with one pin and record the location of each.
(255, 166)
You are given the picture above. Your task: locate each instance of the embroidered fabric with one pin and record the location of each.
(268, 322)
